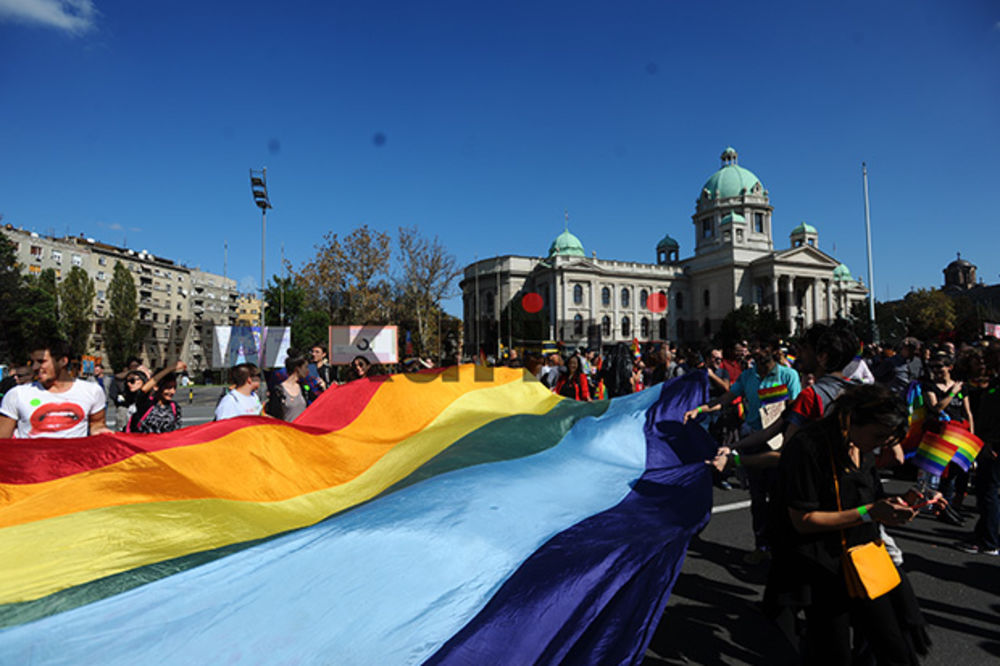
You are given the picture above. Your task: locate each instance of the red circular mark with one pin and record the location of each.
(657, 302)
(532, 302)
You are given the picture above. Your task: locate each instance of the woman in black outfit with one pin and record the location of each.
(807, 569)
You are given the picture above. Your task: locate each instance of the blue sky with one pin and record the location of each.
(141, 120)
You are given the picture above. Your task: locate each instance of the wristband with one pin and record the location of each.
(700, 409)
(863, 512)
(735, 455)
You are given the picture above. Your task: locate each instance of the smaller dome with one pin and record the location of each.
(668, 243)
(566, 245)
(842, 272)
(733, 217)
(805, 229)
(960, 263)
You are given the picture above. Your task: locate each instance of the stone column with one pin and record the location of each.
(790, 302)
(814, 300)
(614, 311)
(774, 295)
(829, 299)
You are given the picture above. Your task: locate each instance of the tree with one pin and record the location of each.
(747, 322)
(11, 297)
(39, 310)
(349, 279)
(929, 313)
(312, 327)
(284, 296)
(76, 300)
(123, 332)
(427, 273)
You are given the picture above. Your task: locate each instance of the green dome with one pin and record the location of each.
(842, 272)
(731, 180)
(806, 229)
(566, 245)
(733, 217)
(668, 243)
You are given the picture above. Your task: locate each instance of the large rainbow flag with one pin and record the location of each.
(469, 516)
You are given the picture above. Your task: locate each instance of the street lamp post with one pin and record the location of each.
(258, 186)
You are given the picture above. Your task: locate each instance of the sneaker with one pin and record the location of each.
(976, 549)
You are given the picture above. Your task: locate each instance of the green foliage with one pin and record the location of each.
(284, 295)
(748, 322)
(12, 285)
(123, 332)
(39, 310)
(76, 299)
(310, 327)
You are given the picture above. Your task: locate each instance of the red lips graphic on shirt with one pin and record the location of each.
(55, 416)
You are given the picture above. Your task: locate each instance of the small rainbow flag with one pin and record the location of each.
(791, 358)
(773, 394)
(934, 454)
(968, 444)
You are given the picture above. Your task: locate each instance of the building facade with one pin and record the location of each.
(585, 301)
(178, 305)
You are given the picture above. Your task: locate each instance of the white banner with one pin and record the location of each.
(232, 345)
(378, 344)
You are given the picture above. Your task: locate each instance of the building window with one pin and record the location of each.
(625, 297)
(812, 241)
(577, 294)
(758, 222)
(77, 260)
(679, 300)
(626, 327)
(58, 274)
(100, 294)
(36, 250)
(577, 325)
(644, 327)
(606, 325)
(56, 256)
(605, 297)
(103, 261)
(489, 302)
(739, 235)
(101, 275)
(643, 298)
(706, 228)
(707, 298)
(34, 269)
(663, 329)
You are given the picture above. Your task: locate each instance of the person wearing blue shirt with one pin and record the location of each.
(767, 382)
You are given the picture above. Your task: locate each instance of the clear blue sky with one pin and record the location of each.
(141, 119)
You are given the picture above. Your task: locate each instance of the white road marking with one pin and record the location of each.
(735, 506)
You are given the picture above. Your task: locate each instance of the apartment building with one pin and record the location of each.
(179, 305)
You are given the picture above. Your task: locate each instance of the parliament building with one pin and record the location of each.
(591, 302)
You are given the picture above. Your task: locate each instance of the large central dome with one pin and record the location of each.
(731, 180)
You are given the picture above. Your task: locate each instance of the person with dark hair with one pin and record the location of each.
(360, 367)
(574, 383)
(54, 404)
(831, 499)
(155, 409)
(242, 398)
(985, 538)
(324, 371)
(617, 372)
(287, 400)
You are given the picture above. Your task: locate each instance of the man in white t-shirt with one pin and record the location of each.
(241, 400)
(55, 404)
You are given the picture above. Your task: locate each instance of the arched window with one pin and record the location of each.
(644, 327)
(605, 296)
(625, 297)
(626, 327)
(663, 328)
(577, 325)
(679, 300)
(706, 298)
(643, 299)
(577, 294)
(606, 324)
(489, 303)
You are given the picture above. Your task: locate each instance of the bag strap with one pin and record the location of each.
(836, 490)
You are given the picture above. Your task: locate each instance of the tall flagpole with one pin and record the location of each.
(871, 272)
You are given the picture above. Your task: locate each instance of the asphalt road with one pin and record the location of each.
(712, 616)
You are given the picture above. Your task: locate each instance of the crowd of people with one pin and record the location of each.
(809, 426)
